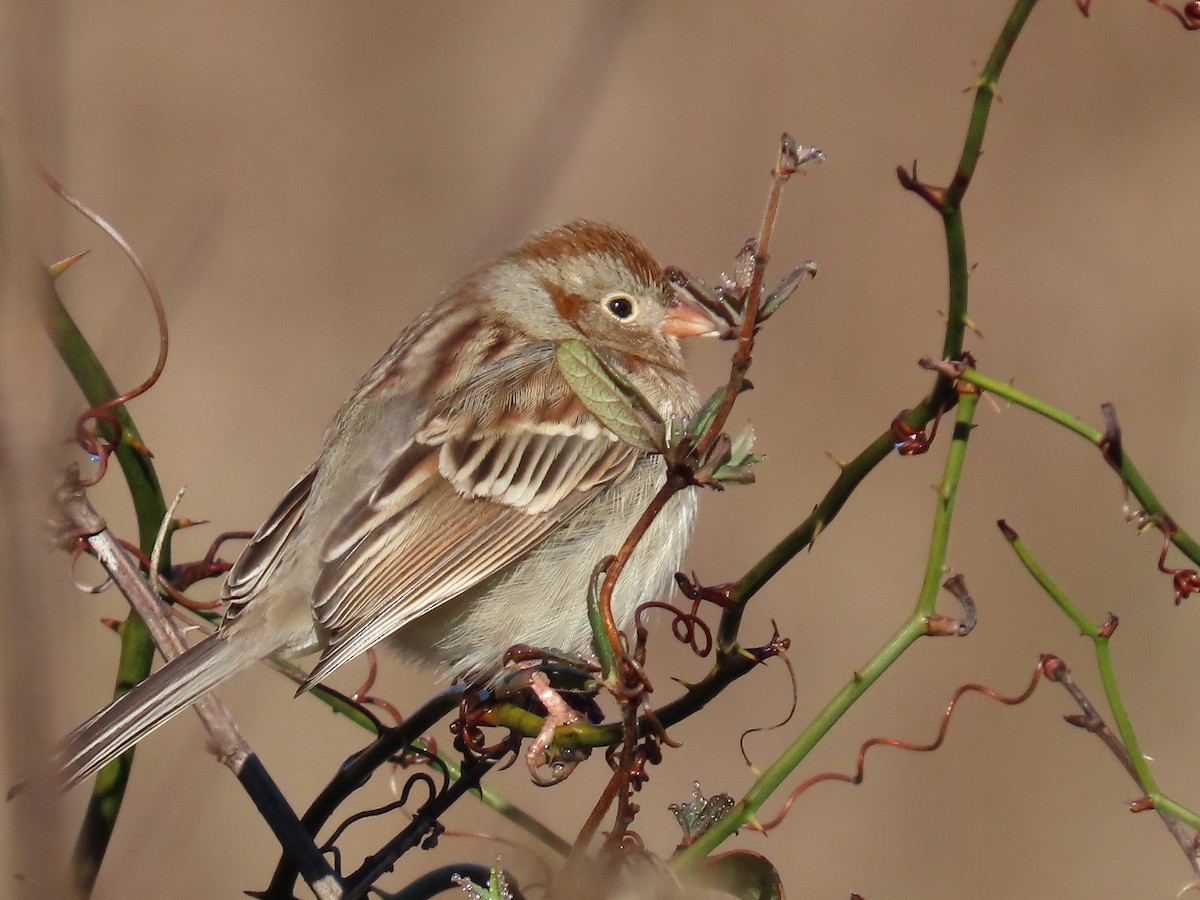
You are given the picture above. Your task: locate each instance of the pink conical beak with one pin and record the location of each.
(687, 319)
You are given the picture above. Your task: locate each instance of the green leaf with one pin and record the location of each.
(745, 875)
(616, 405)
(779, 296)
(700, 421)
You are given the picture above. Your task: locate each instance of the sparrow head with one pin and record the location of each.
(593, 282)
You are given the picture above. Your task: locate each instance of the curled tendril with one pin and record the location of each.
(79, 549)
(860, 771)
(422, 778)
(469, 738)
(1187, 15)
(95, 446)
(1186, 581)
(687, 627)
(910, 441)
(167, 587)
(787, 661)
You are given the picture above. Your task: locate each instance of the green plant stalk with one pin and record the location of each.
(89, 374)
(915, 627)
(1086, 628)
(1171, 808)
(1112, 692)
(985, 93)
(947, 493)
(605, 652)
(336, 701)
(950, 209)
(826, 510)
(773, 777)
(1041, 407)
(137, 648)
(956, 306)
(1130, 475)
(952, 197)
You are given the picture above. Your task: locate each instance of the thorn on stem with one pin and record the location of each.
(934, 196)
(1110, 441)
(840, 463)
(1007, 531)
(966, 320)
(1109, 626)
(1142, 804)
(62, 265)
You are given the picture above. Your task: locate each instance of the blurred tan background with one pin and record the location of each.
(302, 179)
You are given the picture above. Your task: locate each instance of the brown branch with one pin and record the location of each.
(230, 747)
(1091, 721)
(627, 681)
(787, 165)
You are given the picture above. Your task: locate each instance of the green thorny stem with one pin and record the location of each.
(1100, 636)
(948, 203)
(137, 648)
(917, 626)
(1151, 507)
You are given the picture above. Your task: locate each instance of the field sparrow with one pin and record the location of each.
(464, 493)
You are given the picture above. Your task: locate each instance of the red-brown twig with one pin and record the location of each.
(1091, 721)
(627, 681)
(1186, 581)
(168, 587)
(1188, 15)
(787, 165)
(687, 627)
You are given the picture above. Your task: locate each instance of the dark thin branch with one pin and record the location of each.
(230, 747)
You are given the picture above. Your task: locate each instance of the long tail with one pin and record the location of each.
(129, 718)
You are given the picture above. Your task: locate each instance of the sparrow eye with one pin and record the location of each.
(621, 306)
